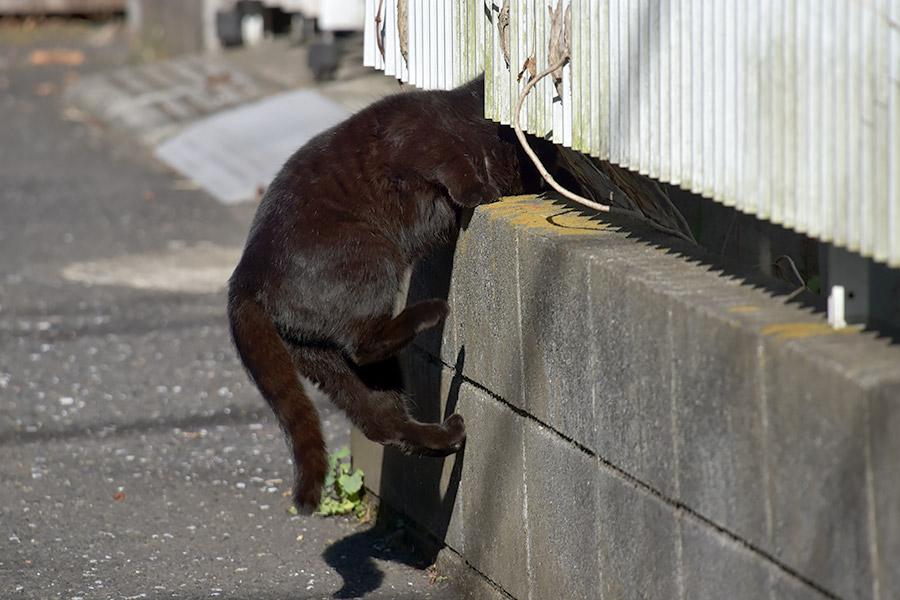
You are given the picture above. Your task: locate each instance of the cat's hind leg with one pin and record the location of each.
(393, 336)
(381, 414)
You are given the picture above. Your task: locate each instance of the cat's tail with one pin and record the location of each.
(269, 364)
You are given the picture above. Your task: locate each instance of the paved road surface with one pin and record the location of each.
(136, 461)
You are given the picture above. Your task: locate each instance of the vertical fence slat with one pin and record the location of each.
(615, 154)
(623, 66)
(426, 45)
(557, 110)
(730, 114)
(708, 110)
(768, 98)
(697, 108)
(599, 81)
(718, 159)
(839, 150)
(515, 12)
(880, 176)
(801, 146)
(391, 42)
(675, 91)
(833, 202)
(814, 131)
(749, 78)
(893, 199)
(866, 125)
(402, 66)
(788, 117)
(653, 99)
(663, 49)
(411, 33)
(634, 86)
(437, 44)
(529, 50)
(644, 74)
(370, 49)
(687, 98)
(846, 131)
(450, 44)
(581, 71)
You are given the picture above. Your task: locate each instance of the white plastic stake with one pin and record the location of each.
(836, 307)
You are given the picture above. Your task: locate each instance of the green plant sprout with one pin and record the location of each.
(343, 491)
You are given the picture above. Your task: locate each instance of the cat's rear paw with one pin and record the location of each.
(306, 499)
(455, 426)
(430, 313)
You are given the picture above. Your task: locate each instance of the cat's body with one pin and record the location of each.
(332, 239)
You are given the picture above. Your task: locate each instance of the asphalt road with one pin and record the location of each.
(136, 460)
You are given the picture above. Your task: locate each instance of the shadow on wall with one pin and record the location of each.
(427, 488)
(418, 484)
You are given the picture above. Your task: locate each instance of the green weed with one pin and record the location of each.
(343, 492)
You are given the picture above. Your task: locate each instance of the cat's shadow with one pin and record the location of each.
(420, 483)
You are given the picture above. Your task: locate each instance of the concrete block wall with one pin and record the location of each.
(643, 423)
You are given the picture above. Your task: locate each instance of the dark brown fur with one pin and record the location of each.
(334, 234)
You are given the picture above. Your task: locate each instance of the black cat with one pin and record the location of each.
(311, 301)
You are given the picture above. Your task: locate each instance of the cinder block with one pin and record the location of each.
(638, 549)
(563, 527)
(493, 499)
(816, 450)
(719, 416)
(706, 391)
(484, 295)
(783, 586)
(884, 427)
(632, 373)
(715, 567)
(556, 333)
(464, 580)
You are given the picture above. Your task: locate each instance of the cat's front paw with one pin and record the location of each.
(475, 195)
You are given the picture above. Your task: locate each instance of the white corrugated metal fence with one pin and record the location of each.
(787, 110)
